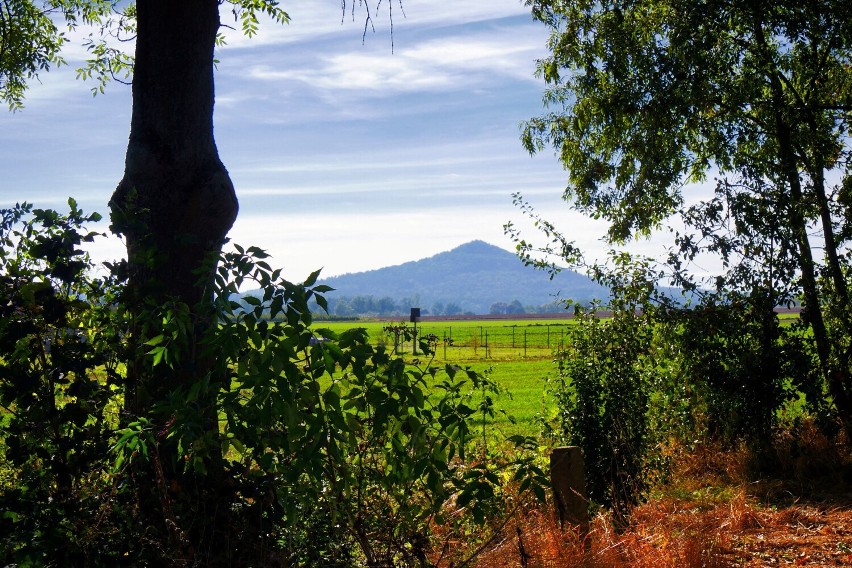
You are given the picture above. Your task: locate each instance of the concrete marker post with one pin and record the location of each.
(567, 477)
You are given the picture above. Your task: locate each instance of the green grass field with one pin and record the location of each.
(479, 341)
(518, 353)
(514, 352)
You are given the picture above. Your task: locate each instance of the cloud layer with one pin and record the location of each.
(350, 151)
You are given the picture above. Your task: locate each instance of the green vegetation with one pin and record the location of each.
(332, 452)
(522, 375)
(146, 418)
(328, 448)
(471, 340)
(647, 98)
(645, 101)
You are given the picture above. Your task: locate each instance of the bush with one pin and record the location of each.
(741, 366)
(287, 451)
(603, 391)
(60, 391)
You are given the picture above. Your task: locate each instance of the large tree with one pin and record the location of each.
(176, 201)
(647, 96)
(174, 205)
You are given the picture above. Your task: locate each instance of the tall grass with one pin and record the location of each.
(715, 510)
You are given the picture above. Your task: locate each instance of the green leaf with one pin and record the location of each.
(312, 279)
(156, 340)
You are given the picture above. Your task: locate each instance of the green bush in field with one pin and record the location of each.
(741, 367)
(603, 390)
(720, 371)
(322, 448)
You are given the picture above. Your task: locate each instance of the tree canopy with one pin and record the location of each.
(649, 97)
(33, 34)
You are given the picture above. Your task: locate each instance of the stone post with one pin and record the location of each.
(567, 477)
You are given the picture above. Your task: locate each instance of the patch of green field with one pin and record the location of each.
(524, 399)
(474, 341)
(520, 368)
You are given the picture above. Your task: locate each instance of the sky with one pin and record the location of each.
(349, 152)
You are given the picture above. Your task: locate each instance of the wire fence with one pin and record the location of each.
(487, 342)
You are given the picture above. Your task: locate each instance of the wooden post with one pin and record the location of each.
(567, 477)
(415, 317)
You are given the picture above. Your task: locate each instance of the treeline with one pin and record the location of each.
(385, 306)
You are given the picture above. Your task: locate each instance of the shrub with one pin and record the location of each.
(60, 391)
(602, 394)
(741, 366)
(288, 451)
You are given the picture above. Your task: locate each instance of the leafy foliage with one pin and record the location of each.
(29, 42)
(32, 38)
(721, 368)
(604, 387)
(59, 393)
(290, 449)
(648, 97)
(741, 367)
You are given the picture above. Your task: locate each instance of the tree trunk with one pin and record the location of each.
(836, 376)
(174, 206)
(176, 202)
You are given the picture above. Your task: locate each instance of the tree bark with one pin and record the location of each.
(174, 206)
(836, 376)
(176, 201)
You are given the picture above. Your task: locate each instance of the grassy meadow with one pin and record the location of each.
(514, 352)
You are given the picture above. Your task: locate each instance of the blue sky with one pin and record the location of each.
(345, 154)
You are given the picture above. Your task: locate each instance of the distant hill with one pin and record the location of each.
(473, 276)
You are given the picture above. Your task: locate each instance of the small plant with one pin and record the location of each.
(401, 333)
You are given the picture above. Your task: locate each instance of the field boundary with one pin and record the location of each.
(566, 315)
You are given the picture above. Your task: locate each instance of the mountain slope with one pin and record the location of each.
(474, 275)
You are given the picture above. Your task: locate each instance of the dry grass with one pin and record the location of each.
(713, 514)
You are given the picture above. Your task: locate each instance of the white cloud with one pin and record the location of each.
(310, 21)
(454, 63)
(365, 74)
(344, 154)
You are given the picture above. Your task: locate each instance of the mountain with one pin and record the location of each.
(473, 276)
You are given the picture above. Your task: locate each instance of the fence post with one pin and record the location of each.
(445, 345)
(525, 342)
(567, 477)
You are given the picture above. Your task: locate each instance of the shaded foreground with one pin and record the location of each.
(712, 514)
